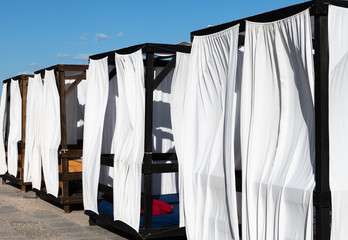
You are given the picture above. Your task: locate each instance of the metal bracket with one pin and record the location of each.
(63, 151)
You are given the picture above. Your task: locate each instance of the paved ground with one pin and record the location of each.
(24, 217)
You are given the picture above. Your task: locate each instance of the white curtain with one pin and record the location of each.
(50, 132)
(178, 89)
(29, 131)
(75, 103)
(338, 117)
(210, 206)
(96, 99)
(81, 97)
(108, 141)
(3, 109)
(71, 106)
(277, 130)
(129, 144)
(15, 133)
(32, 158)
(162, 135)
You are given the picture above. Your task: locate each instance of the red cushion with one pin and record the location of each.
(158, 207)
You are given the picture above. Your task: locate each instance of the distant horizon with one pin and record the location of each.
(42, 34)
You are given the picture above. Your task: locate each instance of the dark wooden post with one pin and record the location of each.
(322, 195)
(23, 85)
(149, 77)
(64, 146)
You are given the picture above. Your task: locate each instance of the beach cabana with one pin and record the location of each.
(291, 142)
(57, 132)
(133, 159)
(278, 34)
(13, 171)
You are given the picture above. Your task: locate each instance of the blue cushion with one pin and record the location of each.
(170, 219)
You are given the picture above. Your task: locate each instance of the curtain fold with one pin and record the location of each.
(3, 115)
(81, 97)
(178, 89)
(50, 132)
(108, 141)
(15, 132)
(129, 143)
(338, 117)
(162, 135)
(210, 205)
(277, 129)
(29, 131)
(96, 99)
(32, 158)
(71, 106)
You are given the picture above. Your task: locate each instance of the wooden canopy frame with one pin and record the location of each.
(152, 60)
(66, 153)
(23, 85)
(318, 9)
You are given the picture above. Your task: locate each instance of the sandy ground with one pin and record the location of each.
(22, 216)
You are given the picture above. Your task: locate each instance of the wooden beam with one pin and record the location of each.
(321, 57)
(149, 77)
(112, 74)
(63, 160)
(165, 71)
(78, 79)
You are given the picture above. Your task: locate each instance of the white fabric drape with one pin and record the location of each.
(129, 144)
(29, 131)
(179, 83)
(208, 142)
(50, 132)
(32, 158)
(81, 97)
(96, 99)
(15, 133)
(71, 108)
(338, 119)
(162, 135)
(277, 130)
(108, 141)
(3, 109)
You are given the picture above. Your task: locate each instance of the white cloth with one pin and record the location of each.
(108, 142)
(163, 183)
(210, 204)
(110, 116)
(81, 97)
(75, 103)
(15, 134)
(3, 109)
(96, 99)
(50, 132)
(29, 131)
(178, 89)
(32, 158)
(71, 108)
(129, 145)
(338, 117)
(277, 130)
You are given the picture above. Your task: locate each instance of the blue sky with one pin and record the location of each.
(36, 34)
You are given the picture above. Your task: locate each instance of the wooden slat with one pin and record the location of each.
(160, 168)
(112, 74)
(70, 176)
(72, 153)
(78, 78)
(165, 71)
(72, 68)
